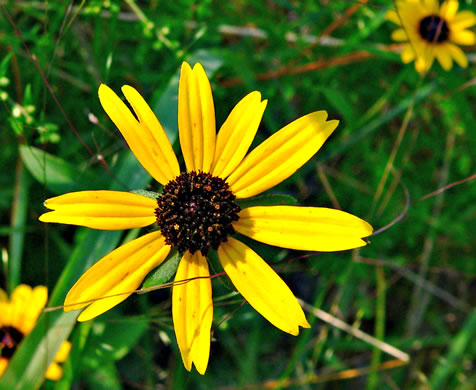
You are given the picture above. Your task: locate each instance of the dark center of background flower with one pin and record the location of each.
(10, 337)
(434, 29)
(195, 212)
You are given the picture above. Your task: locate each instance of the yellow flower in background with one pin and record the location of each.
(18, 317)
(197, 211)
(432, 31)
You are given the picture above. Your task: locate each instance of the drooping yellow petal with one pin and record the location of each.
(105, 210)
(303, 228)
(443, 56)
(116, 275)
(54, 372)
(20, 299)
(393, 17)
(458, 55)
(282, 154)
(449, 9)
(38, 299)
(196, 118)
(3, 365)
(192, 310)
(400, 35)
(424, 60)
(237, 133)
(63, 352)
(264, 290)
(463, 37)
(408, 54)
(161, 149)
(146, 139)
(462, 20)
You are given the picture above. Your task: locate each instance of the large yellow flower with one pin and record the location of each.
(18, 317)
(197, 211)
(432, 31)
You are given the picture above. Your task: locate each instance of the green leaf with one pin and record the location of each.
(267, 200)
(56, 174)
(164, 272)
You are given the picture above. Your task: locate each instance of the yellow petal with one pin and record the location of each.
(303, 228)
(63, 352)
(424, 60)
(448, 9)
(444, 57)
(147, 139)
(38, 299)
(116, 275)
(160, 148)
(463, 37)
(20, 300)
(408, 54)
(196, 118)
(282, 154)
(237, 133)
(54, 372)
(393, 17)
(106, 210)
(400, 35)
(3, 296)
(192, 310)
(264, 290)
(3, 365)
(462, 20)
(6, 310)
(458, 55)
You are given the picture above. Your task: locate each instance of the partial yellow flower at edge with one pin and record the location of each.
(18, 316)
(197, 211)
(431, 31)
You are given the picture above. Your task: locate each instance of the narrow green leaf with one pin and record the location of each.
(267, 200)
(163, 273)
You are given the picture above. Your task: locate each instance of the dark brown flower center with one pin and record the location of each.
(196, 212)
(10, 337)
(434, 29)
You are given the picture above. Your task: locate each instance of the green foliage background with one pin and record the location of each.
(413, 287)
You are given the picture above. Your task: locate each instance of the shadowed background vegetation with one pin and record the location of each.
(400, 138)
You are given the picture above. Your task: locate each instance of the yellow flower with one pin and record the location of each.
(432, 31)
(17, 318)
(197, 211)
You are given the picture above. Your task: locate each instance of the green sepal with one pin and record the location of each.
(267, 200)
(147, 194)
(164, 272)
(216, 268)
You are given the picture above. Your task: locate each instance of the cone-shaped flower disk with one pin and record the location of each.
(18, 316)
(197, 211)
(432, 31)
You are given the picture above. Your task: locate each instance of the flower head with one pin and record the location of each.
(18, 317)
(197, 211)
(432, 31)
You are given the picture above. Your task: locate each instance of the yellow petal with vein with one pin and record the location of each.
(116, 275)
(443, 56)
(448, 9)
(160, 148)
(105, 210)
(282, 154)
(192, 310)
(303, 228)
(463, 37)
(146, 139)
(237, 133)
(462, 20)
(458, 55)
(264, 290)
(196, 118)
(392, 16)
